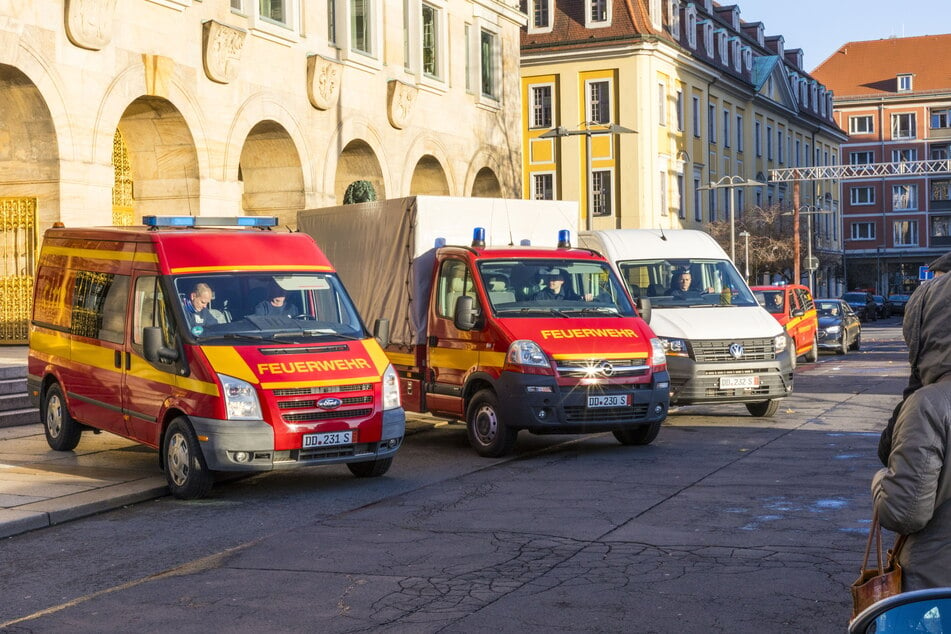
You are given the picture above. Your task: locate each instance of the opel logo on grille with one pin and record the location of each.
(736, 350)
(329, 403)
(605, 368)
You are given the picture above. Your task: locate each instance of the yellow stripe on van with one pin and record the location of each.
(226, 360)
(290, 385)
(96, 254)
(379, 358)
(605, 355)
(453, 359)
(246, 267)
(402, 358)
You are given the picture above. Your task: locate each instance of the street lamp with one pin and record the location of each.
(746, 262)
(588, 131)
(732, 182)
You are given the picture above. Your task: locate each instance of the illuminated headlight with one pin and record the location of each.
(779, 342)
(658, 356)
(833, 330)
(527, 352)
(241, 401)
(674, 347)
(391, 388)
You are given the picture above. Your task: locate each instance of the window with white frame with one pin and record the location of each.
(430, 25)
(680, 110)
(673, 10)
(696, 117)
(940, 190)
(940, 226)
(861, 124)
(904, 197)
(540, 97)
(861, 195)
(238, 5)
(489, 63)
(708, 37)
(601, 203)
(940, 118)
(904, 83)
(903, 125)
(735, 53)
(274, 11)
(331, 20)
(361, 26)
(903, 156)
(543, 186)
(690, 15)
(939, 152)
(599, 101)
(656, 14)
(541, 14)
(905, 233)
(861, 158)
(863, 230)
(662, 192)
(739, 133)
(662, 103)
(598, 13)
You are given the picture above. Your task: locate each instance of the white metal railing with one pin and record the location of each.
(866, 170)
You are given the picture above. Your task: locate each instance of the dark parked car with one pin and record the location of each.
(883, 307)
(863, 304)
(839, 327)
(898, 302)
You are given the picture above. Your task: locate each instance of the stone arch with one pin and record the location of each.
(426, 169)
(271, 174)
(486, 184)
(357, 137)
(358, 161)
(429, 178)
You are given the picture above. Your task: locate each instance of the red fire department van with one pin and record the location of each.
(509, 337)
(228, 348)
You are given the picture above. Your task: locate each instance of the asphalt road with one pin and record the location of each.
(726, 523)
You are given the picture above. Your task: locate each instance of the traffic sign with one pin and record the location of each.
(924, 273)
(812, 263)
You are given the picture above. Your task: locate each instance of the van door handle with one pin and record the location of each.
(433, 341)
(128, 361)
(118, 359)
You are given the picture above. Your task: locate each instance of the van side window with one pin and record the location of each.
(454, 282)
(99, 301)
(149, 308)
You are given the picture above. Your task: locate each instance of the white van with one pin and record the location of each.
(721, 345)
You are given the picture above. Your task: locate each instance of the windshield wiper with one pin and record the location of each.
(610, 310)
(241, 335)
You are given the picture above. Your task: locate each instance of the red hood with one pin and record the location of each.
(568, 338)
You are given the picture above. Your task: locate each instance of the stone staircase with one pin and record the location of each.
(15, 405)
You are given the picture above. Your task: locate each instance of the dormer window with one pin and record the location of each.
(673, 15)
(904, 83)
(690, 15)
(721, 45)
(748, 58)
(708, 37)
(598, 13)
(735, 52)
(656, 15)
(541, 13)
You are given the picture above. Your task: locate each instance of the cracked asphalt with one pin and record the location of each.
(726, 523)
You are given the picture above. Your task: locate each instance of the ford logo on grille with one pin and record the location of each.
(736, 350)
(329, 403)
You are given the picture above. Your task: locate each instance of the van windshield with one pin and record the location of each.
(685, 283)
(218, 308)
(560, 287)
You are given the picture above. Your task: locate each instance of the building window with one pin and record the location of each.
(691, 27)
(331, 20)
(862, 196)
(779, 146)
(543, 186)
(798, 154)
(940, 117)
(863, 231)
(861, 125)
(274, 10)
(758, 137)
(597, 10)
(904, 83)
(697, 199)
(739, 133)
(940, 152)
(488, 53)
(726, 128)
(903, 156)
(599, 102)
(468, 57)
(696, 117)
(903, 126)
(238, 5)
(662, 191)
(601, 189)
(361, 32)
(904, 197)
(673, 11)
(861, 158)
(941, 226)
(681, 203)
(941, 191)
(540, 97)
(769, 142)
(662, 103)
(905, 233)
(680, 111)
(712, 122)
(430, 26)
(541, 14)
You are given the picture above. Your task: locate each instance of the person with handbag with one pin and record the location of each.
(912, 495)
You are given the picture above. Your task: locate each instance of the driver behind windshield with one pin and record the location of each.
(276, 303)
(682, 287)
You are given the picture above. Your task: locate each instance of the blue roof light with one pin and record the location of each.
(209, 221)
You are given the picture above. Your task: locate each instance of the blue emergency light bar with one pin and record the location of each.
(209, 221)
(564, 239)
(478, 237)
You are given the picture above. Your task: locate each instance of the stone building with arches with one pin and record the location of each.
(112, 110)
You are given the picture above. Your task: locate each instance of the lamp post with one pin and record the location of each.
(811, 263)
(730, 183)
(746, 262)
(588, 131)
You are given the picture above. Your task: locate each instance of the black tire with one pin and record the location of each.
(186, 472)
(371, 469)
(857, 344)
(488, 433)
(62, 431)
(844, 344)
(763, 409)
(643, 435)
(813, 354)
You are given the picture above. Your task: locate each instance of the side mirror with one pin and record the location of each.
(644, 308)
(154, 346)
(916, 611)
(797, 312)
(381, 331)
(466, 316)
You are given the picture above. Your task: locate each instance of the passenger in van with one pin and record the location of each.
(775, 303)
(197, 307)
(276, 303)
(555, 287)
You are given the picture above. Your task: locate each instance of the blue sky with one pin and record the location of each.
(819, 27)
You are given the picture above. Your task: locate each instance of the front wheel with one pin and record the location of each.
(763, 409)
(488, 434)
(813, 354)
(643, 435)
(185, 470)
(62, 432)
(857, 344)
(371, 469)
(843, 344)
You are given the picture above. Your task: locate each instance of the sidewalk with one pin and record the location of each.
(40, 487)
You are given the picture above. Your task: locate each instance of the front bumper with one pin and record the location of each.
(226, 438)
(693, 383)
(828, 341)
(564, 409)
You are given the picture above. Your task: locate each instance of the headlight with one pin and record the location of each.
(779, 342)
(832, 330)
(241, 401)
(391, 388)
(674, 347)
(527, 352)
(658, 357)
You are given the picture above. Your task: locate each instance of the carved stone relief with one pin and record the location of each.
(400, 99)
(323, 81)
(222, 45)
(89, 22)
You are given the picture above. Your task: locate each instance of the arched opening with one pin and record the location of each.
(429, 178)
(486, 184)
(358, 162)
(163, 163)
(271, 173)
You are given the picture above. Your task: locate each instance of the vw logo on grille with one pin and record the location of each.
(329, 403)
(736, 350)
(605, 368)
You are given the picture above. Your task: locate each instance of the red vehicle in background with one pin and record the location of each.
(793, 307)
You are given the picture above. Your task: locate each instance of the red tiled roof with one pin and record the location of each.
(629, 20)
(871, 67)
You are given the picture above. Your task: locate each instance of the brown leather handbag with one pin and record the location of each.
(875, 584)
